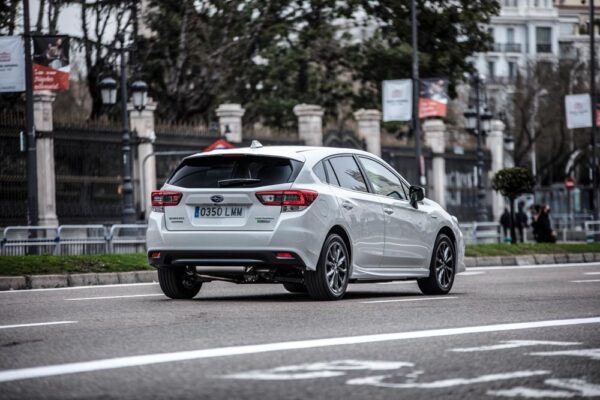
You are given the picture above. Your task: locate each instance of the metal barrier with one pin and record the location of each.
(73, 239)
(127, 238)
(482, 232)
(22, 240)
(592, 230)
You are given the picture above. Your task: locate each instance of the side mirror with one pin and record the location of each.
(416, 194)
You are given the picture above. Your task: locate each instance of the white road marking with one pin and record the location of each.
(512, 344)
(37, 324)
(115, 297)
(134, 361)
(469, 273)
(537, 266)
(318, 370)
(591, 273)
(412, 299)
(379, 381)
(593, 354)
(395, 282)
(577, 387)
(586, 281)
(116, 285)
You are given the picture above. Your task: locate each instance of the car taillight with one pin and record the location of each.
(289, 200)
(165, 198)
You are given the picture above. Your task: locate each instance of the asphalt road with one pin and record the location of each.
(505, 332)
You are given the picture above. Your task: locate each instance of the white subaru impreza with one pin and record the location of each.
(311, 218)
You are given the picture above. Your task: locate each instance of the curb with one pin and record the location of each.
(111, 278)
(69, 280)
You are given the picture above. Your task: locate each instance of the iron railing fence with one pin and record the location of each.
(73, 239)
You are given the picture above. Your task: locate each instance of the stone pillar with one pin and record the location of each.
(310, 123)
(434, 133)
(495, 143)
(230, 121)
(46, 180)
(144, 167)
(369, 129)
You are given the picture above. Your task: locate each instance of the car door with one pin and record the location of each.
(362, 211)
(406, 234)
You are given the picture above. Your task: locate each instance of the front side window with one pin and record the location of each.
(348, 174)
(384, 181)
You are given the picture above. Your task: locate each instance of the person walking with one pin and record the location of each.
(545, 232)
(505, 221)
(521, 221)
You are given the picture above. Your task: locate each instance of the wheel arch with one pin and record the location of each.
(339, 230)
(446, 230)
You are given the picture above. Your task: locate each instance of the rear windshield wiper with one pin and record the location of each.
(238, 181)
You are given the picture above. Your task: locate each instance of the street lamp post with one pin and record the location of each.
(594, 132)
(108, 92)
(478, 120)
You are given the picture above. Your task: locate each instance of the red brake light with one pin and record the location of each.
(284, 256)
(290, 200)
(155, 254)
(165, 198)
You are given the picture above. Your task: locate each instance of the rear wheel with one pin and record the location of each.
(295, 287)
(177, 284)
(441, 269)
(330, 280)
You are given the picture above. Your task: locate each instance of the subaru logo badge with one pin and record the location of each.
(216, 198)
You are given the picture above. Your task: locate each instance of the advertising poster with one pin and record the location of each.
(12, 64)
(579, 111)
(397, 100)
(51, 63)
(433, 98)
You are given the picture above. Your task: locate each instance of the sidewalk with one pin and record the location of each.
(111, 278)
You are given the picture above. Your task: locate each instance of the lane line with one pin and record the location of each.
(469, 273)
(115, 285)
(37, 324)
(115, 297)
(586, 281)
(591, 273)
(537, 266)
(394, 283)
(135, 361)
(415, 299)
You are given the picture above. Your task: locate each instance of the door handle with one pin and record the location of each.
(388, 211)
(347, 205)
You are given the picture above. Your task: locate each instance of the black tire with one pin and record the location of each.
(176, 284)
(317, 283)
(442, 268)
(295, 287)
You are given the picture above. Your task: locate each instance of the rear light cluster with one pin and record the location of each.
(289, 200)
(164, 198)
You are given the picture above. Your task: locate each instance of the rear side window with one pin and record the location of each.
(234, 171)
(348, 173)
(332, 179)
(319, 170)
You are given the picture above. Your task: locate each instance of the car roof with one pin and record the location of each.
(299, 153)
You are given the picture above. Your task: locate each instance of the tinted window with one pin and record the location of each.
(332, 179)
(384, 181)
(348, 173)
(251, 171)
(319, 170)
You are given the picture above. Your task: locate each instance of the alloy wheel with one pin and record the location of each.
(336, 267)
(444, 264)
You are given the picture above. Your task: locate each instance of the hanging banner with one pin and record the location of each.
(579, 111)
(397, 100)
(433, 98)
(51, 63)
(12, 64)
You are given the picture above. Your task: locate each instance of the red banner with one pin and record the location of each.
(51, 63)
(433, 98)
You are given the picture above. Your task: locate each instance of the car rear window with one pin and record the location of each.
(233, 170)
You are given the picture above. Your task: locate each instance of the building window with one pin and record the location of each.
(512, 70)
(491, 69)
(510, 35)
(543, 39)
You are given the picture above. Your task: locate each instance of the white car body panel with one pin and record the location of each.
(383, 246)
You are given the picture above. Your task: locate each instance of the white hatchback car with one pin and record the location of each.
(311, 218)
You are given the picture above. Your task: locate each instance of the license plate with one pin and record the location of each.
(219, 212)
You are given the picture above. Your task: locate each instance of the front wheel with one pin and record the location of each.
(441, 269)
(176, 284)
(330, 280)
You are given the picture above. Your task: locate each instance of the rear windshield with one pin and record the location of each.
(234, 171)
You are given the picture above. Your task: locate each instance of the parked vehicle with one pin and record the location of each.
(311, 218)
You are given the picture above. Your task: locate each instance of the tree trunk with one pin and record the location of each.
(513, 236)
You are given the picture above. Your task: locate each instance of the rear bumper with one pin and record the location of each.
(222, 258)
